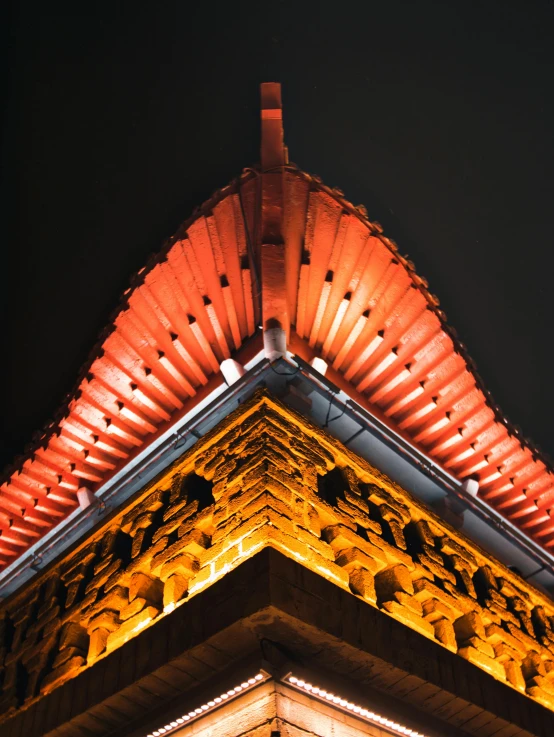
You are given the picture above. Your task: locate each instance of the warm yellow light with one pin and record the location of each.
(370, 716)
(212, 704)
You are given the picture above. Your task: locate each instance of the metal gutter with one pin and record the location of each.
(139, 471)
(277, 376)
(426, 465)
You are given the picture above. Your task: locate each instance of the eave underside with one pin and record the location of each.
(351, 299)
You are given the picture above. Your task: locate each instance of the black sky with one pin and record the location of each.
(121, 117)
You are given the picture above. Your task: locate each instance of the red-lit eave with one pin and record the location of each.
(185, 313)
(351, 296)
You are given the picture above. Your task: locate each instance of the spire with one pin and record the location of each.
(275, 314)
(273, 148)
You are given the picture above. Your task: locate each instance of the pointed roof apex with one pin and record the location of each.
(273, 150)
(284, 259)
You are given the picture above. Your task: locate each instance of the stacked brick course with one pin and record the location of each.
(267, 477)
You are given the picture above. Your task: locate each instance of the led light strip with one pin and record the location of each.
(209, 705)
(359, 711)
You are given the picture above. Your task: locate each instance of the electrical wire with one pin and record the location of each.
(328, 418)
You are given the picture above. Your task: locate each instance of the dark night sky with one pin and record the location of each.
(121, 117)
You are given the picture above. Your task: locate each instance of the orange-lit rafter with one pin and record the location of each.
(348, 293)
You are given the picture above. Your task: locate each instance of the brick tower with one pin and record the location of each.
(279, 502)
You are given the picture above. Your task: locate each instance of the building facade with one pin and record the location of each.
(279, 501)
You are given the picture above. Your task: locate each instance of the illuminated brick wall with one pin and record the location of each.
(267, 477)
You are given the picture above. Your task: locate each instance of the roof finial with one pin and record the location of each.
(274, 153)
(275, 313)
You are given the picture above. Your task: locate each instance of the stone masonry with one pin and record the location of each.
(267, 477)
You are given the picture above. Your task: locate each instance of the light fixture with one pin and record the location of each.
(85, 497)
(350, 707)
(232, 371)
(214, 703)
(471, 487)
(319, 364)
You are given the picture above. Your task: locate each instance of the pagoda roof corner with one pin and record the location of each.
(340, 286)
